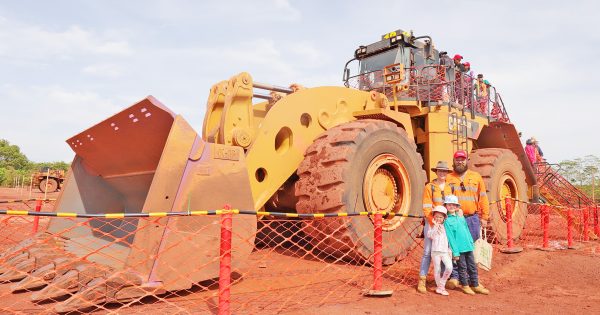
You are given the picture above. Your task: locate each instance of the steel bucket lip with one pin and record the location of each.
(117, 145)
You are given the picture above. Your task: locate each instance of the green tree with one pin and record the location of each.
(14, 164)
(11, 156)
(60, 165)
(569, 169)
(582, 172)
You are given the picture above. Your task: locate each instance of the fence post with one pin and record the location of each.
(546, 225)
(378, 258)
(586, 236)
(545, 221)
(46, 188)
(570, 228)
(36, 219)
(225, 263)
(510, 248)
(596, 226)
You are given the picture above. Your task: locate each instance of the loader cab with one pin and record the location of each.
(400, 48)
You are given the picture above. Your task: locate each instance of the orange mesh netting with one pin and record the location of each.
(291, 262)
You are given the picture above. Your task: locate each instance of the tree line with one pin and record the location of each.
(582, 173)
(15, 164)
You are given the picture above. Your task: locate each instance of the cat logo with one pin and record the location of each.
(461, 123)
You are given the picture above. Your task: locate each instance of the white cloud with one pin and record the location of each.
(186, 11)
(44, 117)
(34, 42)
(307, 51)
(103, 70)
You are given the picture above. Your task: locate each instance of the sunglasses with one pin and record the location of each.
(462, 187)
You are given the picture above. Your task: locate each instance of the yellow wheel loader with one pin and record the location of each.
(365, 146)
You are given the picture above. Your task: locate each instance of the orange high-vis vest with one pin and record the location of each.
(433, 196)
(473, 197)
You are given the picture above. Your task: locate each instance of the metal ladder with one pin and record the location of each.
(460, 136)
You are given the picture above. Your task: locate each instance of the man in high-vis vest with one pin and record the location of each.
(469, 187)
(433, 195)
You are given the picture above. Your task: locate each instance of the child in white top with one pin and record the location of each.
(440, 251)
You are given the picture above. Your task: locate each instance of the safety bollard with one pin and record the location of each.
(510, 248)
(596, 226)
(225, 263)
(586, 234)
(36, 219)
(570, 228)
(378, 259)
(545, 224)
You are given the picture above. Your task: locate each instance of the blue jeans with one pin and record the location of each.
(426, 260)
(467, 270)
(474, 224)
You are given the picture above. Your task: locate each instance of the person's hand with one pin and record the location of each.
(456, 258)
(484, 223)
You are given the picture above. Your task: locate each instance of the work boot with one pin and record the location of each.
(467, 290)
(421, 287)
(442, 291)
(481, 290)
(452, 284)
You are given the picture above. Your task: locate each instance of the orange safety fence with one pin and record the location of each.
(548, 227)
(284, 262)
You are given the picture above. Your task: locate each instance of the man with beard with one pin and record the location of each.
(469, 187)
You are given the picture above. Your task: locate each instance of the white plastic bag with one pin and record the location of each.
(483, 252)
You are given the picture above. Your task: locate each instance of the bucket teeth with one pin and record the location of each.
(24, 257)
(43, 275)
(35, 260)
(70, 279)
(15, 260)
(119, 287)
(19, 271)
(39, 242)
(38, 238)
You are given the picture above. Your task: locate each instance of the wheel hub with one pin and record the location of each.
(386, 188)
(507, 189)
(383, 190)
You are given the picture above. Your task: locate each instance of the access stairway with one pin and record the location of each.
(557, 190)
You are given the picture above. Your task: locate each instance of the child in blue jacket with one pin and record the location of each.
(461, 243)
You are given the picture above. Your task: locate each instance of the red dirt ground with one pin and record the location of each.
(566, 282)
(563, 281)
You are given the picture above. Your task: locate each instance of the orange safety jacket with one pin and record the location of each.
(473, 197)
(433, 196)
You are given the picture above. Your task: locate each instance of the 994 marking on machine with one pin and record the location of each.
(460, 123)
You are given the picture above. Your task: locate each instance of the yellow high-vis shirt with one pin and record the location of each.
(471, 194)
(433, 196)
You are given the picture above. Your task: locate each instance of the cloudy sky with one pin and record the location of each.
(66, 65)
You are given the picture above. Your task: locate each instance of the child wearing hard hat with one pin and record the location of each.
(440, 252)
(461, 243)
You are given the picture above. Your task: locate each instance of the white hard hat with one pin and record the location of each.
(441, 209)
(451, 199)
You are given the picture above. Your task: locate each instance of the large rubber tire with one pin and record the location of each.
(332, 179)
(504, 177)
(52, 185)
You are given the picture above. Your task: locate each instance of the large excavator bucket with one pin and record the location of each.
(144, 159)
